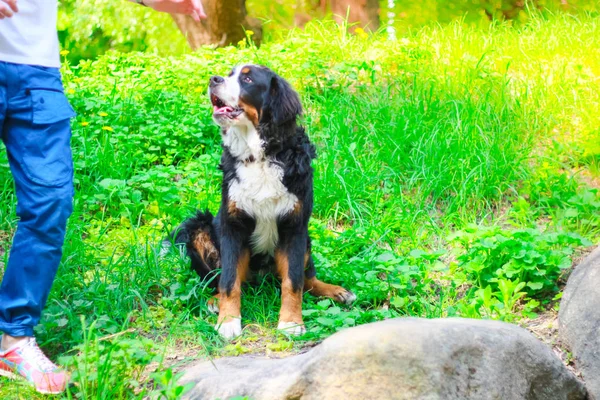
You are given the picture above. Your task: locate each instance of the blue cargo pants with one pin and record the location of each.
(35, 128)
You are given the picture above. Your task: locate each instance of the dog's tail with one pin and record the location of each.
(201, 242)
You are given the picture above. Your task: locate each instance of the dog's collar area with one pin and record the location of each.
(250, 160)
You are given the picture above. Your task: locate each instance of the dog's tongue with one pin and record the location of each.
(223, 110)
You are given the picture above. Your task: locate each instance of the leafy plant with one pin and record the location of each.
(519, 262)
(167, 386)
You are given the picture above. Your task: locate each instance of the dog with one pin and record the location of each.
(266, 203)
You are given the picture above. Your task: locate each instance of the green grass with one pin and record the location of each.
(451, 181)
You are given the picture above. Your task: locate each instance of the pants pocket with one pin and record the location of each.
(46, 156)
(49, 106)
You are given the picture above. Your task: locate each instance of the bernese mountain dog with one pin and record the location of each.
(267, 200)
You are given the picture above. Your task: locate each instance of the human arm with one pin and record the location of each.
(190, 7)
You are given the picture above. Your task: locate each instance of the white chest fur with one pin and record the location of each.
(243, 141)
(259, 190)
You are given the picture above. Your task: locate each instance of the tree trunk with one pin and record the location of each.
(226, 24)
(307, 10)
(363, 12)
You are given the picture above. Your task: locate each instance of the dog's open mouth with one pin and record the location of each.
(220, 109)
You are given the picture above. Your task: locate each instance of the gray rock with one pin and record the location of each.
(579, 320)
(405, 358)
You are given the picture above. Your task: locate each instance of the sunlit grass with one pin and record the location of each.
(417, 138)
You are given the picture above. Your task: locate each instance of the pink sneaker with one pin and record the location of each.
(27, 360)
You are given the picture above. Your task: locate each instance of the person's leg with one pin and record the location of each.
(36, 132)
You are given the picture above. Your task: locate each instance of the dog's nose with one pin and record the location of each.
(216, 80)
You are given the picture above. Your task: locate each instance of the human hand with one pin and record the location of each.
(8, 8)
(190, 7)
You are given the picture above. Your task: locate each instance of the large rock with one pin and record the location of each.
(406, 358)
(579, 320)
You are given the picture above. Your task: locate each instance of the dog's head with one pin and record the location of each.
(253, 94)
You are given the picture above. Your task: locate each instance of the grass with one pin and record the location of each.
(455, 177)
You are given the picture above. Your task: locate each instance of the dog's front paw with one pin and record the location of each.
(292, 328)
(230, 329)
(345, 296)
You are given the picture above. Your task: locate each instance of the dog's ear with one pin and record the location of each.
(283, 103)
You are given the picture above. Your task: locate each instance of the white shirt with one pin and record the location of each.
(30, 36)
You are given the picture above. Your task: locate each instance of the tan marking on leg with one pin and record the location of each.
(229, 305)
(291, 301)
(337, 293)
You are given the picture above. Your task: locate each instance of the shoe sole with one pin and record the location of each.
(13, 376)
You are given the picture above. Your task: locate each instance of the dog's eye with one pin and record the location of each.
(247, 79)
